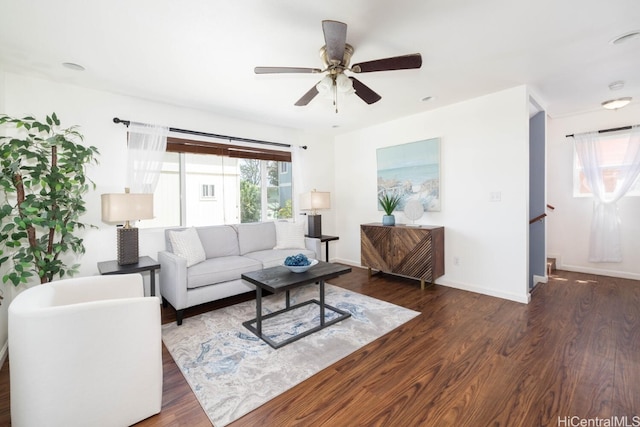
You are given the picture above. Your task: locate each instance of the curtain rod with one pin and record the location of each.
(603, 131)
(214, 135)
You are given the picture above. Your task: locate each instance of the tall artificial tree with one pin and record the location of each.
(43, 183)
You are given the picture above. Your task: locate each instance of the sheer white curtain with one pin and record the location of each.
(147, 145)
(605, 225)
(297, 181)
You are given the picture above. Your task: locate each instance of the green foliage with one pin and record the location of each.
(250, 190)
(250, 171)
(249, 202)
(43, 180)
(389, 202)
(272, 173)
(282, 212)
(286, 211)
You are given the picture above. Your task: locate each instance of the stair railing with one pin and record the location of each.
(542, 216)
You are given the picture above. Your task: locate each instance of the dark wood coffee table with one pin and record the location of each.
(278, 279)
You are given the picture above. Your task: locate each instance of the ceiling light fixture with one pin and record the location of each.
(614, 104)
(332, 84)
(73, 66)
(617, 85)
(626, 37)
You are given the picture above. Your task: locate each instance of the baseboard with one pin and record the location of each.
(524, 299)
(347, 262)
(598, 271)
(540, 279)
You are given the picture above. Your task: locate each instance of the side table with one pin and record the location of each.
(326, 239)
(144, 263)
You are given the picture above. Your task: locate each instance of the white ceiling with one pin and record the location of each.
(201, 53)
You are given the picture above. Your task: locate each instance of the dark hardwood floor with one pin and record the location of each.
(467, 360)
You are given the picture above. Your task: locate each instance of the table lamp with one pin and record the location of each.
(119, 207)
(314, 201)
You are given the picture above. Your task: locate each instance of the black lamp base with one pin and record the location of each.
(127, 246)
(315, 225)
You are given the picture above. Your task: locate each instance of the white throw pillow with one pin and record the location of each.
(289, 235)
(186, 244)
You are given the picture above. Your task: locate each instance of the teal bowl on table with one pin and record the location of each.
(301, 268)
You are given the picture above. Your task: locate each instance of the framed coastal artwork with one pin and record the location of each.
(411, 171)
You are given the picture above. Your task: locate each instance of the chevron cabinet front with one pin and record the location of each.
(410, 251)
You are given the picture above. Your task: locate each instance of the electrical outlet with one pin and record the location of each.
(456, 261)
(495, 196)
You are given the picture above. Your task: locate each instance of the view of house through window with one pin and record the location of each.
(611, 152)
(207, 189)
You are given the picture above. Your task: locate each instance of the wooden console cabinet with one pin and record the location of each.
(410, 251)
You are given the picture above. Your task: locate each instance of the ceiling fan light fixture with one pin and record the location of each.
(324, 86)
(336, 55)
(614, 104)
(331, 85)
(344, 84)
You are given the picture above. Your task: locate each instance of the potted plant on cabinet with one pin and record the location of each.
(44, 181)
(389, 203)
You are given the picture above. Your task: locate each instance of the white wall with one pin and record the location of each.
(93, 111)
(317, 173)
(484, 149)
(570, 223)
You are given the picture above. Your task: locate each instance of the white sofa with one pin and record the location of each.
(228, 251)
(85, 352)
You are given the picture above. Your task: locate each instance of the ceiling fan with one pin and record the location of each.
(336, 55)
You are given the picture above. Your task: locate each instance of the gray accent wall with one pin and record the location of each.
(537, 204)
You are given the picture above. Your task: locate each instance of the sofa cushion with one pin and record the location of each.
(219, 240)
(273, 257)
(221, 269)
(256, 236)
(186, 244)
(289, 235)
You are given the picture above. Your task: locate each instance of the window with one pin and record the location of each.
(205, 183)
(207, 192)
(612, 148)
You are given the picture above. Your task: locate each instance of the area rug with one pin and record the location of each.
(232, 372)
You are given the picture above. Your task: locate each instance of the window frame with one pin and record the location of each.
(180, 145)
(210, 191)
(577, 171)
(183, 147)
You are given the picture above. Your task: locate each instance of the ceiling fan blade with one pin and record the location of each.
(404, 62)
(307, 97)
(281, 70)
(365, 92)
(335, 38)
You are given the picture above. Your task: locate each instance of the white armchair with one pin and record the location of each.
(85, 352)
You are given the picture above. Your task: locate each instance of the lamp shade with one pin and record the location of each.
(315, 200)
(118, 207)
